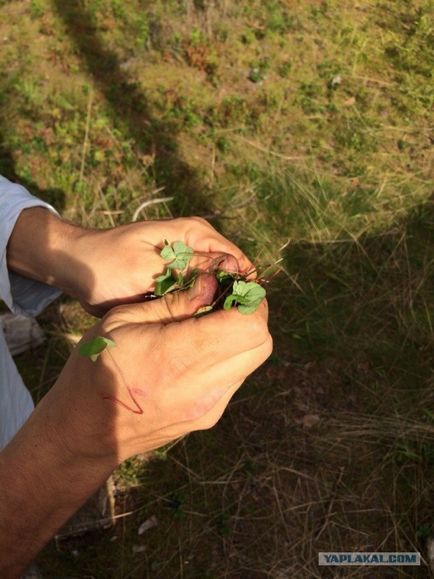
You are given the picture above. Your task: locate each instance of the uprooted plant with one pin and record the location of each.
(234, 289)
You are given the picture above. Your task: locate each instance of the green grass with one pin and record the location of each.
(307, 127)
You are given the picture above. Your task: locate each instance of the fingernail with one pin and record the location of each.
(229, 264)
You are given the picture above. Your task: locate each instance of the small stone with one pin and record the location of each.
(148, 524)
(310, 420)
(336, 81)
(138, 548)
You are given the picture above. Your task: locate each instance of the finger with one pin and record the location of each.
(213, 261)
(234, 369)
(194, 342)
(172, 307)
(210, 419)
(198, 391)
(213, 241)
(218, 336)
(220, 243)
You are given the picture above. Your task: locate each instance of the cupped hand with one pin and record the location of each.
(122, 263)
(169, 373)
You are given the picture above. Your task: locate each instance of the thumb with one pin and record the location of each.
(172, 307)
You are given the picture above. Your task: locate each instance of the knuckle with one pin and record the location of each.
(196, 220)
(259, 329)
(113, 318)
(194, 412)
(199, 220)
(268, 347)
(115, 313)
(167, 306)
(207, 422)
(176, 365)
(173, 307)
(204, 409)
(191, 220)
(191, 224)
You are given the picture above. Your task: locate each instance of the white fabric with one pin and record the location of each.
(23, 296)
(15, 401)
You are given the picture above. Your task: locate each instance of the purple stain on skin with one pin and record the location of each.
(208, 288)
(212, 262)
(137, 409)
(139, 392)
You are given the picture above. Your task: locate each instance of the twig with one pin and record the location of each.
(150, 202)
(218, 214)
(373, 80)
(274, 153)
(85, 142)
(108, 212)
(331, 503)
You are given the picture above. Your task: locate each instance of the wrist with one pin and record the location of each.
(42, 247)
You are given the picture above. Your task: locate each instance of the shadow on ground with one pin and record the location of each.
(54, 196)
(131, 111)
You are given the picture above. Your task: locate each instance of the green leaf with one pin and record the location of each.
(251, 309)
(248, 296)
(177, 263)
(95, 347)
(165, 283)
(191, 279)
(178, 254)
(179, 248)
(167, 253)
(229, 302)
(239, 288)
(250, 290)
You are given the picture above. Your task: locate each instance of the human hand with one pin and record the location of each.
(104, 268)
(123, 262)
(169, 374)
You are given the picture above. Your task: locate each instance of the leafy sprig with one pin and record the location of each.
(235, 290)
(179, 255)
(247, 296)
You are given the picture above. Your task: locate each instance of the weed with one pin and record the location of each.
(233, 291)
(279, 20)
(37, 8)
(175, 503)
(258, 70)
(285, 69)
